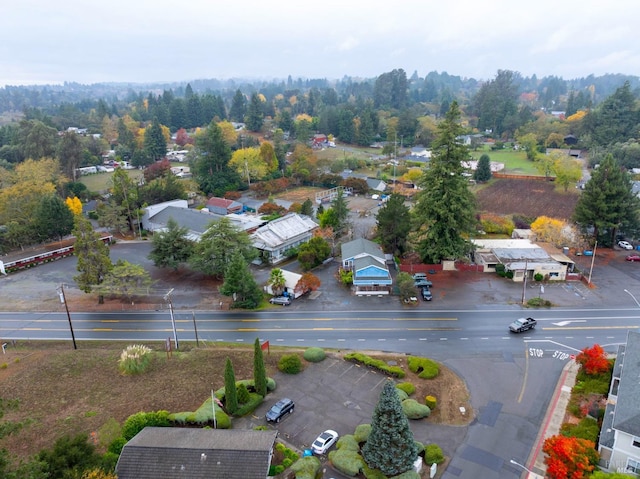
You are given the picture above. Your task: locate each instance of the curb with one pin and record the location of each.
(553, 419)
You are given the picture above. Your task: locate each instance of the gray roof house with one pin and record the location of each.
(192, 453)
(376, 184)
(156, 217)
(274, 239)
(367, 261)
(619, 443)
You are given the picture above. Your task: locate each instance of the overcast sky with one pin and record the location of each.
(90, 41)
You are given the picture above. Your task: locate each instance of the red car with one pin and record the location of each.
(633, 257)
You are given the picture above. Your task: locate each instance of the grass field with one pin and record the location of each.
(101, 182)
(515, 162)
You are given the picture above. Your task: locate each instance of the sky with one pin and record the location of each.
(138, 41)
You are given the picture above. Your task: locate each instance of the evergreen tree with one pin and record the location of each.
(607, 204)
(171, 247)
(93, 255)
(616, 119)
(394, 224)
(213, 253)
(238, 107)
(53, 218)
(126, 280)
(390, 447)
(259, 370)
(307, 208)
(444, 213)
(240, 283)
(69, 154)
(230, 391)
(210, 167)
(255, 115)
(155, 144)
(341, 209)
(483, 170)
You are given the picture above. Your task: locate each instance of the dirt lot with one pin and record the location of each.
(530, 198)
(58, 392)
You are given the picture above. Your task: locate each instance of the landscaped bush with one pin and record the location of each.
(509, 274)
(254, 401)
(134, 359)
(348, 442)
(347, 462)
(425, 368)
(587, 429)
(242, 394)
(346, 277)
(203, 415)
(414, 410)
(137, 422)
(372, 473)
(271, 384)
(376, 364)
(402, 395)
(314, 355)
(362, 432)
(538, 277)
(420, 447)
(539, 303)
(290, 364)
(407, 387)
(431, 402)
(307, 467)
(433, 454)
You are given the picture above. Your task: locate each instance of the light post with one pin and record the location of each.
(535, 476)
(63, 300)
(634, 298)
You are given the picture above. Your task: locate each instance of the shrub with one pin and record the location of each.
(538, 277)
(271, 384)
(407, 387)
(425, 368)
(372, 473)
(254, 401)
(347, 462)
(509, 275)
(314, 355)
(362, 432)
(307, 467)
(414, 410)
(375, 364)
(431, 402)
(137, 422)
(587, 429)
(243, 393)
(346, 277)
(433, 454)
(290, 364)
(401, 394)
(348, 442)
(539, 303)
(135, 359)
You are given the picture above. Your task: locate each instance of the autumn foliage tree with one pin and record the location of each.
(308, 282)
(593, 360)
(569, 457)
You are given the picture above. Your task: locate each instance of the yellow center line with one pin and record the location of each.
(559, 328)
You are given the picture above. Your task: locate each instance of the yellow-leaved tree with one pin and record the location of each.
(249, 164)
(74, 204)
(553, 230)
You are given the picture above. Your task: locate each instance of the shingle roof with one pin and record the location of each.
(193, 453)
(194, 220)
(360, 246)
(627, 415)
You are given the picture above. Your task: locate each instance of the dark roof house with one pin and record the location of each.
(366, 259)
(192, 453)
(222, 206)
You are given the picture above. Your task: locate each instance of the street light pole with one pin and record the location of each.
(167, 297)
(634, 298)
(63, 300)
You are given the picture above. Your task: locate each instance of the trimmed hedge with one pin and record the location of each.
(433, 453)
(378, 364)
(306, 467)
(347, 462)
(431, 401)
(290, 364)
(407, 387)
(425, 368)
(348, 442)
(254, 401)
(402, 395)
(314, 355)
(362, 432)
(414, 410)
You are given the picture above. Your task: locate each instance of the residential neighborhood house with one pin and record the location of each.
(195, 453)
(277, 237)
(366, 259)
(619, 442)
(290, 281)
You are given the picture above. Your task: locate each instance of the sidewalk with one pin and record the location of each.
(553, 420)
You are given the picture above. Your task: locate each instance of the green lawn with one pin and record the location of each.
(515, 162)
(101, 182)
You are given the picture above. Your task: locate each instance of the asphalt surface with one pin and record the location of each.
(517, 400)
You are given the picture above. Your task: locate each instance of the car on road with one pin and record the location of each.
(280, 409)
(324, 441)
(426, 294)
(625, 244)
(283, 300)
(522, 324)
(420, 283)
(633, 257)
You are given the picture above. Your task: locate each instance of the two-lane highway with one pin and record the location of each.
(401, 331)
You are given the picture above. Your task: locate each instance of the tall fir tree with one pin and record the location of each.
(444, 213)
(240, 283)
(230, 392)
(259, 370)
(393, 224)
(607, 204)
(483, 170)
(255, 115)
(171, 247)
(390, 447)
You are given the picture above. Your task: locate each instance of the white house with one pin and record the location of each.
(290, 281)
(619, 442)
(277, 237)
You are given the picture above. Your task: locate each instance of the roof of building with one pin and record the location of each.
(361, 246)
(279, 231)
(185, 453)
(503, 243)
(223, 203)
(360, 264)
(195, 221)
(627, 415)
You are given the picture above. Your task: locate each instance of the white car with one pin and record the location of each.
(625, 245)
(324, 441)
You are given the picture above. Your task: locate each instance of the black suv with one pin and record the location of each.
(280, 409)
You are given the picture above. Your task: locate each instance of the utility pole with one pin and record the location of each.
(593, 258)
(524, 282)
(63, 300)
(167, 297)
